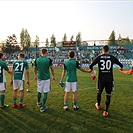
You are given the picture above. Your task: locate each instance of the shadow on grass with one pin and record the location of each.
(31, 120)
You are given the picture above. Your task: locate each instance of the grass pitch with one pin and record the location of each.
(85, 120)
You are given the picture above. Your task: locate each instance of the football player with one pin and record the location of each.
(70, 68)
(105, 76)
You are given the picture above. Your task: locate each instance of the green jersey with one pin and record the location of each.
(3, 67)
(71, 67)
(19, 68)
(43, 64)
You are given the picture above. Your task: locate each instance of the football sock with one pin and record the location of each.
(44, 99)
(21, 101)
(39, 97)
(14, 100)
(74, 103)
(107, 102)
(65, 103)
(98, 98)
(2, 97)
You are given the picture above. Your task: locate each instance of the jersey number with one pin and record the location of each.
(105, 64)
(19, 65)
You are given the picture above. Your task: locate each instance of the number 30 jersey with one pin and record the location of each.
(19, 68)
(105, 65)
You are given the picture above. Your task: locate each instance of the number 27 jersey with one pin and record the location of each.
(105, 65)
(19, 68)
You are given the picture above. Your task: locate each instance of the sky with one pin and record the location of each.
(95, 20)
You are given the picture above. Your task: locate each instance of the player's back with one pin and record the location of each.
(43, 64)
(19, 69)
(70, 67)
(105, 65)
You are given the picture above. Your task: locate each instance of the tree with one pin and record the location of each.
(36, 41)
(124, 41)
(11, 44)
(53, 41)
(25, 39)
(64, 38)
(47, 42)
(112, 39)
(78, 39)
(72, 37)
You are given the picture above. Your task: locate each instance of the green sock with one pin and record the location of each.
(44, 99)
(14, 100)
(74, 103)
(21, 100)
(65, 103)
(2, 97)
(38, 97)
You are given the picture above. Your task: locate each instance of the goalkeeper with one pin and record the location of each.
(70, 67)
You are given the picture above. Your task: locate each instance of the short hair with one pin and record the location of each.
(106, 48)
(21, 55)
(44, 50)
(71, 54)
(1, 55)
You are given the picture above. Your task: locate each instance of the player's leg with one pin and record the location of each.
(39, 99)
(21, 105)
(46, 88)
(66, 98)
(15, 90)
(66, 95)
(100, 87)
(2, 95)
(39, 92)
(74, 90)
(44, 99)
(108, 89)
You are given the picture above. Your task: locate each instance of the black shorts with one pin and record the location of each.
(107, 85)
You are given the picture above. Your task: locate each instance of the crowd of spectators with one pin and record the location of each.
(84, 56)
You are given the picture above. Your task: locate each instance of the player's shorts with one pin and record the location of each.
(18, 84)
(109, 87)
(71, 86)
(2, 86)
(43, 86)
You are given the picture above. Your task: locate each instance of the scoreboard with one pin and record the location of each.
(69, 44)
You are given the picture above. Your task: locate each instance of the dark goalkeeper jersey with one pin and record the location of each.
(105, 65)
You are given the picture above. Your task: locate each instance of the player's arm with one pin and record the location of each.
(78, 65)
(7, 69)
(83, 70)
(52, 69)
(94, 63)
(129, 72)
(35, 71)
(116, 61)
(12, 73)
(52, 72)
(28, 77)
(62, 75)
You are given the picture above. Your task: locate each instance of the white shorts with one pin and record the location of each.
(43, 86)
(18, 84)
(71, 85)
(2, 86)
